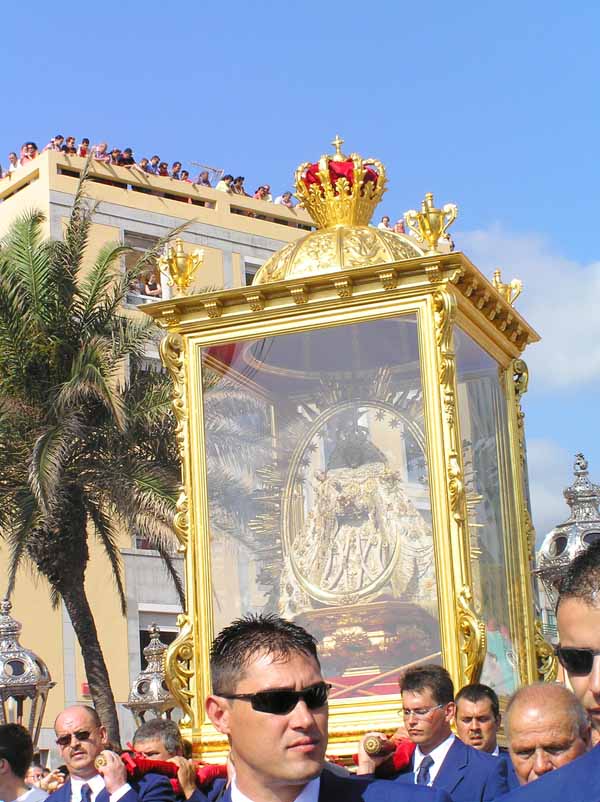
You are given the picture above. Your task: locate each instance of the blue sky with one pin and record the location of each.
(491, 105)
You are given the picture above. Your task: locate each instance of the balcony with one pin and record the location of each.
(51, 171)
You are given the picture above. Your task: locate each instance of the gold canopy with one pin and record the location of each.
(340, 193)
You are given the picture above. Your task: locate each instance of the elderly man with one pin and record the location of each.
(547, 728)
(81, 738)
(16, 753)
(160, 739)
(270, 699)
(578, 620)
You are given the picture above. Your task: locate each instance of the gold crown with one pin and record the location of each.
(340, 190)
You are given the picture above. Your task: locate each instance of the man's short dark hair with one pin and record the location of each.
(432, 677)
(235, 646)
(478, 693)
(164, 729)
(582, 579)
(16, 747)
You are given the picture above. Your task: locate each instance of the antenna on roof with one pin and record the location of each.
(214, 173)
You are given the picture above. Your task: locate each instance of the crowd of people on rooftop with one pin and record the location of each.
(153, 166)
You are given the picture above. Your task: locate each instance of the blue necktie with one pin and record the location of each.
(86, 793)
(423, 773)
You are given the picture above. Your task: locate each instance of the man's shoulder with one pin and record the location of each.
(578, 781)
(154, 787)
(64, 792)
(474, 756)
(359, 789)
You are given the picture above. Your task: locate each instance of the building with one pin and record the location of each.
(237, 235)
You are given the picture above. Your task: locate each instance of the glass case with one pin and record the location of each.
(318, 492)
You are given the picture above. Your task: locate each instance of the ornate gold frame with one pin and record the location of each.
(443, 291)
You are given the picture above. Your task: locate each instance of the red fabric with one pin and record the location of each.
(401, 757)
(403, 754)
(137, 766)
(337, 170)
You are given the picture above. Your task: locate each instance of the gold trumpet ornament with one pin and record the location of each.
(430, 224)
(180, 266)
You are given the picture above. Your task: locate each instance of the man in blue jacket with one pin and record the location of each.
(270, 699)
(440, 759)
(81, 738)
(578, 621)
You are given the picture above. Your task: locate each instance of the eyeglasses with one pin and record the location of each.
(279, 703)
(578, 662)
(80, 735)
(419, 712)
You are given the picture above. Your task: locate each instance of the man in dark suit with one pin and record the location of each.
(269, 698)
(478, 720)
(81, 738)
(440, 759)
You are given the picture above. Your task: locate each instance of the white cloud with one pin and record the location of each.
(560, 300)
(550, 471)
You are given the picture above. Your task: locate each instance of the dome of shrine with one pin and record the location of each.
(340, 193)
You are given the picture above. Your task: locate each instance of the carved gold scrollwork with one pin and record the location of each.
(456, 488)
(520, 374)
(179, 668)
(173, 358)
(547, 662)
(473, 638)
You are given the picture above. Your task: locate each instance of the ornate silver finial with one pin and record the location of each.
(149, 691)
(24, 677)
(566, 541)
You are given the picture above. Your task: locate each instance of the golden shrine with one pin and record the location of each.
(352, 443)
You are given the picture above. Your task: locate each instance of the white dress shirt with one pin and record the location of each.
(96, 784)
(438, 755)
(496, 752)
(310, 792)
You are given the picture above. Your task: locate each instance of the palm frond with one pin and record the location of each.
(50, 452)
(93, 378)
(104, 272)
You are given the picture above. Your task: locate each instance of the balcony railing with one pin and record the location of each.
(137, 186)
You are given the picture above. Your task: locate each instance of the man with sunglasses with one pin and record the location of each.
(81, 738)
(440, 759)
(270, 700)
(578, 621)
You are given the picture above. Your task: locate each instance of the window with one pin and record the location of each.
(250, 269)
(146, 286)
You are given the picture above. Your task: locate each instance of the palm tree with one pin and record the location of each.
(83, 451)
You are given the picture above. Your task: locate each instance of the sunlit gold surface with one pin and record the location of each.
(180, 266)
(442, 291)
(334, 250)
(511, 291)
(430, 224)
(342, 203)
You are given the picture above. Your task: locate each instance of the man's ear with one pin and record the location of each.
(450, 712)
(218, 711)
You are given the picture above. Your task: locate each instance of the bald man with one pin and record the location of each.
(547, 728)
(81, 738)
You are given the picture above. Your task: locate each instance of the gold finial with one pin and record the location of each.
(337, 144)
(430, 224)
(510, 292)
(180, 266)
(340, 190)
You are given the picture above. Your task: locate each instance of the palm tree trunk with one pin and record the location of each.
(82, 619)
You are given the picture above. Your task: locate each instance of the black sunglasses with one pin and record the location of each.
(578, 662)
(80, 735)
(279, 703)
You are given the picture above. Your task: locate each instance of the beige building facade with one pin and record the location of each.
(237, 235)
